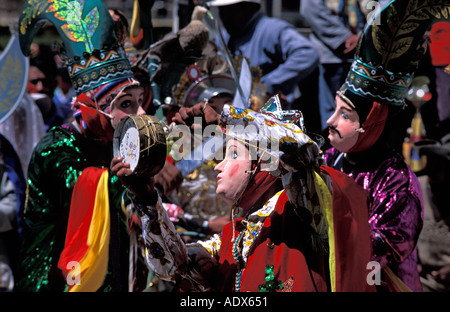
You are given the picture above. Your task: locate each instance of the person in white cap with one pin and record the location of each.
(284, 55)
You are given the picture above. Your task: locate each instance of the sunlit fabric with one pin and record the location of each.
(62, 155)
(395, 208)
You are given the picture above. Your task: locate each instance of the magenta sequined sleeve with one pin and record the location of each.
(395, 211)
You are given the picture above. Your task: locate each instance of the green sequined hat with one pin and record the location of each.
(93, 55)
(390, 49)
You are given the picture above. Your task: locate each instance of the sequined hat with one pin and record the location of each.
(268, 132)
(93, 55)
(390, 49)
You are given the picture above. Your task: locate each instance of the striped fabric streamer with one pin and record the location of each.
(84, 259)
(350, 247)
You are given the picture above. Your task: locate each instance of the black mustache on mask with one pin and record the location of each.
(336, 130)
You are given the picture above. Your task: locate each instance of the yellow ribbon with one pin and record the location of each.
(326, 203)
(93, 266)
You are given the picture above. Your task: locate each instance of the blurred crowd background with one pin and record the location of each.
(167, 15)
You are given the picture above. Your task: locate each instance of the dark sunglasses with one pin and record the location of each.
(44, 81)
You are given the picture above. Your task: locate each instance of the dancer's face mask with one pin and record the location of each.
(101, 109)
(259, 140)
(343, 125)
(240, 179)
(348, 133)
(128, 102)
(232, 172)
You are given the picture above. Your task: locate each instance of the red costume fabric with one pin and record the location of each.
(440, 44)
(353, 247)
(373, 127)
(288, 251)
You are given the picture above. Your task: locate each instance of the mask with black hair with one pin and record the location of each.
(385, 61)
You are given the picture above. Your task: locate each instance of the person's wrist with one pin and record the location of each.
(145, 198)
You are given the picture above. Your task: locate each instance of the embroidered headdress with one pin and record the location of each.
(268, 133)
(96, 61)
(278, 140)
(388, 54)
(93, 54)
(390, 49)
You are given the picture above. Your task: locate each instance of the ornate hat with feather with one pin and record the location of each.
(390, 48)
(93, 54)
(271, 131)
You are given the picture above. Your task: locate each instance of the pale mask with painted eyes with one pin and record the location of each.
(232, 176)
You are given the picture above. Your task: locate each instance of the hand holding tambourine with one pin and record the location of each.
(140, 150)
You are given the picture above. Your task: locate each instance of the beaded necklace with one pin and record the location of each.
(238, 258)
(235, 252)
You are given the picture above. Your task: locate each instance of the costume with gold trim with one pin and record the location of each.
(287, 244)
(68, 176)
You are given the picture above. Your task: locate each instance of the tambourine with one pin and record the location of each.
(141, 141)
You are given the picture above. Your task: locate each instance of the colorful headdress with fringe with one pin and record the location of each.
(268, 132)
(320, 195)
(390, 49)
(282, 148)
(93, 54)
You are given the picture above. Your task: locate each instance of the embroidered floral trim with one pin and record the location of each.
(287, 285)
(268, 207)
(238, 113)
(212, 245)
